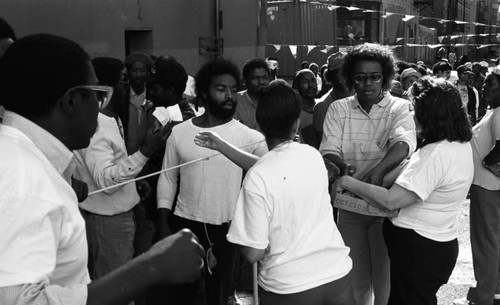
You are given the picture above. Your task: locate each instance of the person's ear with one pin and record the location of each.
(295, 126)
(68, 103)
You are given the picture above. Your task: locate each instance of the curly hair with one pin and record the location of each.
(440, 112)
(215, 67)
(254, 63)
(369, 52)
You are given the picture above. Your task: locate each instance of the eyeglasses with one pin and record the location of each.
(361, 78)
(103, 93)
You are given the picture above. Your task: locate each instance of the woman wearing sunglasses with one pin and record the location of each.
(422, 239)
(367, 136)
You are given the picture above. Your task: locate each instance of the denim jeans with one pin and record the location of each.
(110, 240)
(370, 275)
(485, 242)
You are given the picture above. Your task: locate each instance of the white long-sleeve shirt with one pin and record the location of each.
(208, 189)
(104, 163)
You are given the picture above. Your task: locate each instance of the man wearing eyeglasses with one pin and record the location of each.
(43, 260)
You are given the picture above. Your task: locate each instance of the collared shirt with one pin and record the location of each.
(105, 163)
(245, 110)
(321, 108)
(362, 139)
(136, 111)
(42, 233)
(485, 135)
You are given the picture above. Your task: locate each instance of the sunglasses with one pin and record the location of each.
(361, 78)
(103, 93)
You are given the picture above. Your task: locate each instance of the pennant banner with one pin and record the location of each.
(408, 17)
(344, 49)
(309, 49)
(293, 49)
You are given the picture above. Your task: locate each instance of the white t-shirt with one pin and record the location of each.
(486, 133)
(284, 206)
(440, 174)
(208, 189)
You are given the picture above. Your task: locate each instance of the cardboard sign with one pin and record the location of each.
(346, 201)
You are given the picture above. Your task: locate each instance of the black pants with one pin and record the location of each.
(212, 289)
(419, 266)
(338, 292)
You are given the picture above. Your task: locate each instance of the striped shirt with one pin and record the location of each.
(362, 139)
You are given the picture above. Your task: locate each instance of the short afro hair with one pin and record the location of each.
(255, 63)
(215, 67)
(108, 70)
(37, 70)
(168, 72)
(369, 52)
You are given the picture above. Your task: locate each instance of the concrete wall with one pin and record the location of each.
(159, 26)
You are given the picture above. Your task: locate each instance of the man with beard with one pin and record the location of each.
(208, 189)
(256, 74)
(337, 92)
(305, 84)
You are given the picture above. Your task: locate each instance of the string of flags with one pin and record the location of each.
(401, 40)
(409, 17)
(327, 48)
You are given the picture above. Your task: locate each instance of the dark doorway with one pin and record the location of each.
(138, 40)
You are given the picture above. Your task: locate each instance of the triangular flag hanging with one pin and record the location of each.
(399, 39)
(483, 46)
(293, 49)
(460, 22)
(277, 47)
(471, 35)
(433, 46)
(326, 49)
(444, 21)
(370, 11)
(440, 38)
(454, 36)
(387, 15)
(333, 7)
(408, 17)
(484, 35)
(353, 8)
(309, 49)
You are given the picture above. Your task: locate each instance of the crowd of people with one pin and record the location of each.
(122, 185)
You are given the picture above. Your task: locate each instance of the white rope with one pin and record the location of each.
(164, 170)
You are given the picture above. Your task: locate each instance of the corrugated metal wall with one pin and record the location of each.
(302, 24)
